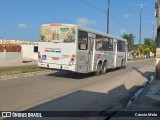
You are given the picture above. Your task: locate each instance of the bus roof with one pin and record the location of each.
(85, 29)
(58, 24)
(100, 33)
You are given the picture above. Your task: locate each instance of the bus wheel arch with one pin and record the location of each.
(98, 68)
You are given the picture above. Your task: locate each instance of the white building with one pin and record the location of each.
(29, 52)
(18, 42)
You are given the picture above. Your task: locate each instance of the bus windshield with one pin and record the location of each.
(58, 33)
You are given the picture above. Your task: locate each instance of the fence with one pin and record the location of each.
(10, 57)
(10, 53)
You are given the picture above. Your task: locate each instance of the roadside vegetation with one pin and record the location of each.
(141, 51)
(18, 70)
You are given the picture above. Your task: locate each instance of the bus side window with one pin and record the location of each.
(106, 44)
(99, 42)
(121, 46)
(110, 44)
(99, 45)
(91, 44)
(82, 40)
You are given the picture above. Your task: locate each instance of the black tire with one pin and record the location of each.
(123, 64)
(104, 67)
(99, 69)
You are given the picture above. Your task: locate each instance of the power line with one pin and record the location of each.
(103, 12)
(92, 6)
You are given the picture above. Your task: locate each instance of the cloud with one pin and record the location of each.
(122, 31)
(126, 15)
(85, 22)
(22, 26)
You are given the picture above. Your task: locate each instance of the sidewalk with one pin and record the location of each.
(147, 101)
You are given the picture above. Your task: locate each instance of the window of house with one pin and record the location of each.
(35, 49)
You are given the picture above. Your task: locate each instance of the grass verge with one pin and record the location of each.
(136, 59)
(18, 70)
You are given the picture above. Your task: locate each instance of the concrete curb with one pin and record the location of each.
(139, 91)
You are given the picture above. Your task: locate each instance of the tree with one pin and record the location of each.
(147, 41)
(130, 39)
(151, 44)
(141, 49)
(147, 51)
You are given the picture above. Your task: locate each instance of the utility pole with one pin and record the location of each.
(140, 22)
(108, 16)
(153, 31)
(140, 29)
(152, 28)
(157, 6)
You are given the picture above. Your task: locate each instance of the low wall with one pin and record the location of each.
(10, 57)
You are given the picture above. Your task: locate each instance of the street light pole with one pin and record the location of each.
(140, 28)
(108, 16)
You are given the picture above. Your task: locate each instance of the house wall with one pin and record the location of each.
(29, 53)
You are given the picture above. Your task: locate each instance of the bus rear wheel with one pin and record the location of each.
(123, 64)
(104, 67)
(99, 69)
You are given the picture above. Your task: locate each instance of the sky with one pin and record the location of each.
(21, 19)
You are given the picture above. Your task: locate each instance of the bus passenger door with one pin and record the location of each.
(82, 53)
(91, 51)
(115, 54)
(126, 53)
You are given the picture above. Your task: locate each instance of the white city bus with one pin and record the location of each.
(73, 48)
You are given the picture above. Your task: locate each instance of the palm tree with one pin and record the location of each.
(151, 44)
(141, 49)
(147, 51)
(130, 39)
(147, 41)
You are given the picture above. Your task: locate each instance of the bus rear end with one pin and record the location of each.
(57, 47)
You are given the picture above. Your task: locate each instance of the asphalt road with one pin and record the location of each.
(60, 91)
